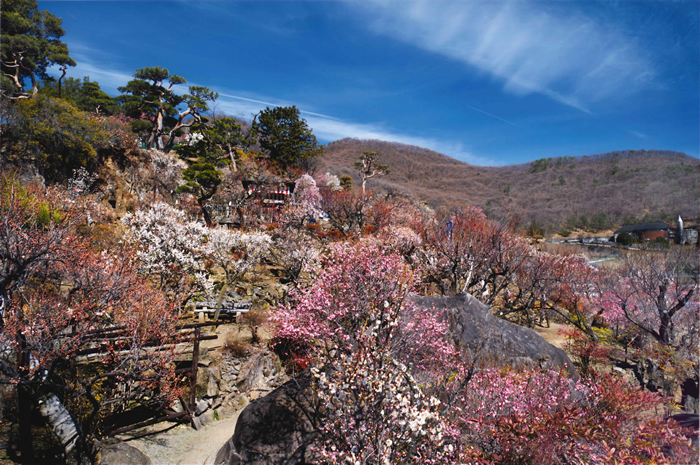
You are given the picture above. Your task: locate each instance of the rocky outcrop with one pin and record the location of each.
(230, 383)
(492, 340)
(119, 453)
(274, 429)
(258, 371)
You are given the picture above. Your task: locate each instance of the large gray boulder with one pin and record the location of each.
(119, 453)
(275, 429)
(490, 339)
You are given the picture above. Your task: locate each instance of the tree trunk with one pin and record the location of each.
(220, 301)
(63, 74)
(665, 317)
(156, 139)
(169, 144)
(24, 407)
(15, 77)
(205, 213)
(35, 86)
(233, 158)
(64, 429)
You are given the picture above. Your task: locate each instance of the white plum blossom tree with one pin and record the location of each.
(170, 249)
(180, 253)
(236, 253)
(307, 195)
(165, 172)
(295, 251)
(333, 182)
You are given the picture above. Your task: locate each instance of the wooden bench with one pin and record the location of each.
(230, 308)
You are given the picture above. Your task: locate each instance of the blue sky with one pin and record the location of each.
(486, 82)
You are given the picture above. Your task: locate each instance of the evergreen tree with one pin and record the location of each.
(285, 136)
(84, 94)
(30, 44)
(150, 97)
(368, 167)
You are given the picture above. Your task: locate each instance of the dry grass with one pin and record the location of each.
(235, 345)
(568, 249)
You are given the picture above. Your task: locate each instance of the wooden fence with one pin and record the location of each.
(191, 334)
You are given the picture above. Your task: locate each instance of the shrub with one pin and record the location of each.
(235, 346)
(56, 135)
(625, 238)
(534, 230)
(586, 353)
(253, 320)
(662, 242)
(346, 182)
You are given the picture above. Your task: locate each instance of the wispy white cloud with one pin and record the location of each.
(529, 47)
(330, 128)
(333, 130)
(637, 134)
(102, 71)
(108, 79)
(494, 116)
(245, 99)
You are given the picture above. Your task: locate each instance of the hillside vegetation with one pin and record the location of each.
(593, 192)
(121, 219)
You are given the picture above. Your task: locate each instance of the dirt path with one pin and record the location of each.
(552, 335)
(183, 445)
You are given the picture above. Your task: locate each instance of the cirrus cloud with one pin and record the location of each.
(530, 47)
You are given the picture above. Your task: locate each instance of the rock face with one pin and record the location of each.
(121, 454)
(274, 429)
(494, 340)
(259, 366)
(228, 384)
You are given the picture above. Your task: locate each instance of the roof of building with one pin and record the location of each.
(643, 227)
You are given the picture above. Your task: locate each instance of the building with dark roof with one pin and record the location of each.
(646, 231)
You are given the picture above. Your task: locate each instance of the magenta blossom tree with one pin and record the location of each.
(351, 321)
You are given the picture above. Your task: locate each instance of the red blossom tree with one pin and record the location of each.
(537, 416)
(57, 294)
(463, 251)
(347, 211)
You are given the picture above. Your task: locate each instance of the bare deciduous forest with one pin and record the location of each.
(592, 192)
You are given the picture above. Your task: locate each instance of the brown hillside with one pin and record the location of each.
(597, 191)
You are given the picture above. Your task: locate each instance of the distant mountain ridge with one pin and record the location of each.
(595, 191)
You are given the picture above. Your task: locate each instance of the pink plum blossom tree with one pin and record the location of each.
(349, 322)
